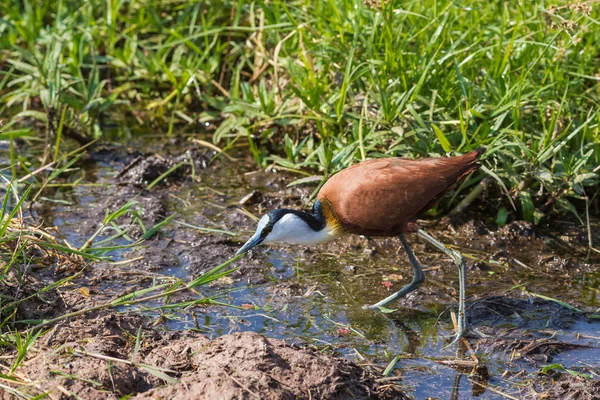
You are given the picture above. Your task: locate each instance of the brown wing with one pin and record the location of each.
(380, 197)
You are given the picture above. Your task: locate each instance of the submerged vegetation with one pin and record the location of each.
(315, 86)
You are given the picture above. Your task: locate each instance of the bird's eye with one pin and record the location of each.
(267, 230)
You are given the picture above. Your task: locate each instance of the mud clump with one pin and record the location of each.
(35, 306)
(144, 170)
(248, 365)
(96, 357)
(69, 361)
(568, 387)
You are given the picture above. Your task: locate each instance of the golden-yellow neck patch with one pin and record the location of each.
(331, 220)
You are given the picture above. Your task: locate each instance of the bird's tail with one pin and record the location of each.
(474, 155)
(454, 170)
(469, 162)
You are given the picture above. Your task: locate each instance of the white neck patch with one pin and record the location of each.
(293, 229)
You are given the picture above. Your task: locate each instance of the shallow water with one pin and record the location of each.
(316, 296)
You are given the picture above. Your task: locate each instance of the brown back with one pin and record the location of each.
(383, 197)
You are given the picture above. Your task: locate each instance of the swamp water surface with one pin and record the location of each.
(315, 296)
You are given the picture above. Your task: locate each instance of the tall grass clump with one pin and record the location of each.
(315, 86)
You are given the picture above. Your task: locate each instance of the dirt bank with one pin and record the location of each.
(99, 357)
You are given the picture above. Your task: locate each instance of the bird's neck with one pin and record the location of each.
(328, 227)
(305, 228)
(323, 211)
(315, 220)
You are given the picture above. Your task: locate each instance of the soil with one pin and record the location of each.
(95, 357)
(143, 170)
(249, 365)
(568, 387)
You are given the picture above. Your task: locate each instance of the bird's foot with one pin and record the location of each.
(478, 333)
(378, 307)
(465, 332)
(459, 335)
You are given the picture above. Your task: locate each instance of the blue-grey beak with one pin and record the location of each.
(252, 242)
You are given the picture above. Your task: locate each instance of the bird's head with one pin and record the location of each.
(289, 226)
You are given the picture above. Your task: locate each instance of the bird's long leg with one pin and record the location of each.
(459, 260)
(417, 280)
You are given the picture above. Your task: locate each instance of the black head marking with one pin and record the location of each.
(315, 220)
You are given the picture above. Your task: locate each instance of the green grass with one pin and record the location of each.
(315, 86)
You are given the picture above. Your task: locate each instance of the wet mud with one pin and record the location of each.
(569, 387)
(100, 357)
(298, 329)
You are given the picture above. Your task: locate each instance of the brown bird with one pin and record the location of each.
(380, 197)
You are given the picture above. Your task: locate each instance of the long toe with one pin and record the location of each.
(468, 332)
(459, 335)
(476, 332)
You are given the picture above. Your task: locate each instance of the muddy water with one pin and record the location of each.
(315, 295)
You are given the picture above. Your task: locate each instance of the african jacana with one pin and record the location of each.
(380, 197)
